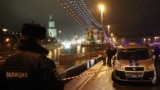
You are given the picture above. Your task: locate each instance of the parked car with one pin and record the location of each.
(133, 63)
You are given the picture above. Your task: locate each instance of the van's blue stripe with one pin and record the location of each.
(131, 62)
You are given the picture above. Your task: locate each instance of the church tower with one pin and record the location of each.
(52, 31)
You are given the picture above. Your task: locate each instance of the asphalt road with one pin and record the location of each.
(98, 77)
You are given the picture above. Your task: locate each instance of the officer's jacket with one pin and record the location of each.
(29, 69)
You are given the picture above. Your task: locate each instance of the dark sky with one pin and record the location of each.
(126, 17)
(15, 12)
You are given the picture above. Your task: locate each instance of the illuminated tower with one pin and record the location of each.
(52, 31)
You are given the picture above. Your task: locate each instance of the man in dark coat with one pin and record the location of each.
(110, 53)
(29, 68)
(157, 53)
(157, 62)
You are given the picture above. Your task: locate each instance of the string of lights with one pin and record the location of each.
(72, 12)
(90, 15)
(80, 12)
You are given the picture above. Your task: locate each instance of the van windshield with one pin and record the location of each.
(134, 53)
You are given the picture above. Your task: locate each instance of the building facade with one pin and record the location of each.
(52, 31)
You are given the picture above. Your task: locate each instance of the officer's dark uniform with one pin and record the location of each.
(109, 55)
(29, 68)
(157, 63)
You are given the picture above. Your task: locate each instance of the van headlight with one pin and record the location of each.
(119, 66)
(150, 67)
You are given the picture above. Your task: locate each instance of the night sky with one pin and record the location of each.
(15, 12)
(126, 17)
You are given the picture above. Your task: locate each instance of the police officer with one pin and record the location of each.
(157, 62)
(157, 53)
(29, 68)
(110, 53)
(104, 57)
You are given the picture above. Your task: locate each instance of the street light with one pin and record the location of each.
(156, 37)
(111, 34)
(101, 7)
(108, 28)
(7, 30)
(9, 40)
(144, 40)
(149, 40)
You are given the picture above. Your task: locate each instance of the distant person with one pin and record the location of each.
(114, 51)
(29, 68)
(157, 54)
(104, 57)
(110, 53)
(157, 62)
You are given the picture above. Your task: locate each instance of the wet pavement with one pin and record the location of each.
(98, 77)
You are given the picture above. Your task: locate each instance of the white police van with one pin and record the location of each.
(133, 63)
